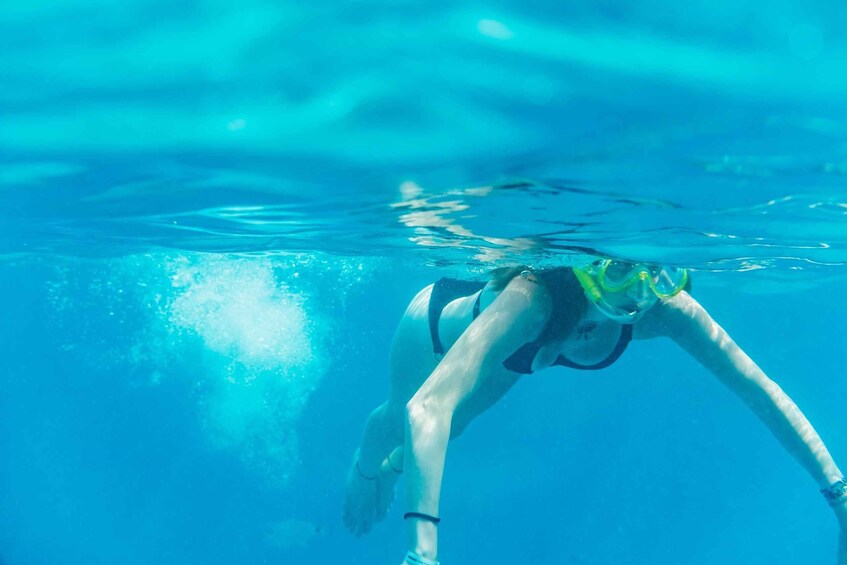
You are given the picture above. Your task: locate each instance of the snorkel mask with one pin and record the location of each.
(623, 291)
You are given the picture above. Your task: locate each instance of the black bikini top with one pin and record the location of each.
(521, 360)
(446, 290)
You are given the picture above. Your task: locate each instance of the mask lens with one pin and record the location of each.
(618, 275)
(668, 281)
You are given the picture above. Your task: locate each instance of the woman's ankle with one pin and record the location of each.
(363, 470)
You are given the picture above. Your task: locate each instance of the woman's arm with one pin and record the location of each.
(516, 316)
(690, 326)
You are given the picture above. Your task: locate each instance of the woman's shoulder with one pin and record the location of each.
(528, 283)
(555, 294)
(668, 317)
(558, 286)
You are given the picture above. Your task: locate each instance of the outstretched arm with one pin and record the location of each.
(689, 325)
(516, 316)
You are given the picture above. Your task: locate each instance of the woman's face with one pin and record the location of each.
(630, 303)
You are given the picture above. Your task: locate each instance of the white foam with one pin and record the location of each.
(259, 363)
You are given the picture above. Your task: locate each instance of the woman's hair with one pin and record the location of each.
(567, 296)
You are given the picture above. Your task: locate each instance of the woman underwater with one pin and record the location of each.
(462, 345)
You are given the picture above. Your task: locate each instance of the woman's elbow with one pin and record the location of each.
(426, 416)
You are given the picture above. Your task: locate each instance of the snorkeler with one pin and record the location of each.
(461, 345)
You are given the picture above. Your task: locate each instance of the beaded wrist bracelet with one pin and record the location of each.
(836, 493)
(413, 558)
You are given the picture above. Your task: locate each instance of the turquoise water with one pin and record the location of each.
(213, 215)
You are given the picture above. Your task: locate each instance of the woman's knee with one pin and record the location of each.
(393, 413)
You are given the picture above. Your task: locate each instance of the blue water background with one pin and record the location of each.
(109, 457)
(212, 216)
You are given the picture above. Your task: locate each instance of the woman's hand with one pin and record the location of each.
(413, 558)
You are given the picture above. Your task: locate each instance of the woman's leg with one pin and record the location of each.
(372, 476)
(377, 463)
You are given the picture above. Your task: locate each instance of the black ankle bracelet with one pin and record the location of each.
(393, 468)
(364, 476)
